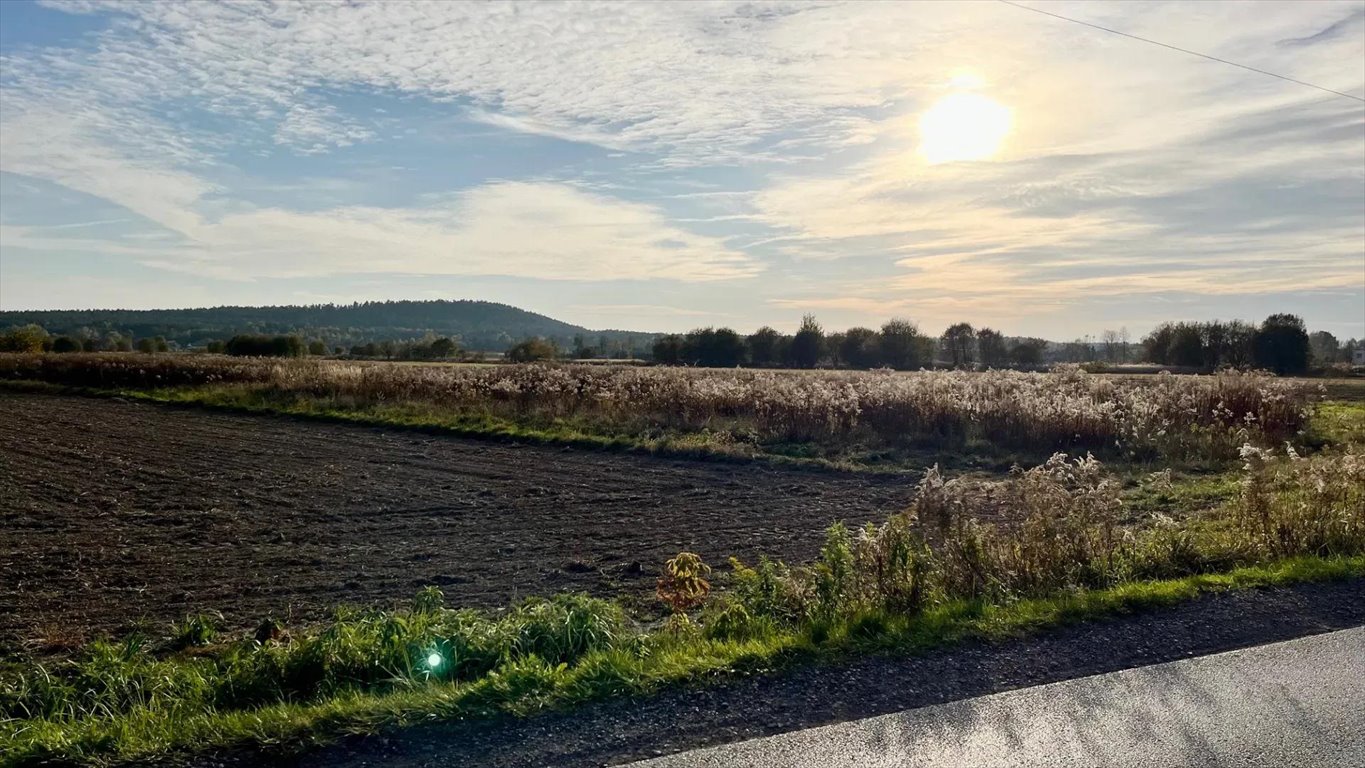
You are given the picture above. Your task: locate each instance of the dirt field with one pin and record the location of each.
(114, 513)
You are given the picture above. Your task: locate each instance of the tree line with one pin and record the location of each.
(897, 344)
(34, 338)
(1281, 343)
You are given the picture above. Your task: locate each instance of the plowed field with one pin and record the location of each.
(116, 513)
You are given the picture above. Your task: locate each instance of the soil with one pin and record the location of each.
(117, 514)
(622, 730)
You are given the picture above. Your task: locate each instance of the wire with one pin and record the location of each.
(1177, 48)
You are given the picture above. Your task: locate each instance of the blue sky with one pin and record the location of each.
(663, 166)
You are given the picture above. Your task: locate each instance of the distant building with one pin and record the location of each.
(1358, 356)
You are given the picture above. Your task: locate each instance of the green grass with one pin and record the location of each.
(1186, 493)
(1338, 422)
(528, 685)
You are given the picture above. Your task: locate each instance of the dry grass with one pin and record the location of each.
(1205, 416)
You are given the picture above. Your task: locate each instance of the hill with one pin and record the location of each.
(478, 325)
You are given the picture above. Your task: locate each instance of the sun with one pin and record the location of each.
(963, 126)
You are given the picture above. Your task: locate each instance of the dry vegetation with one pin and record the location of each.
(1172, 416)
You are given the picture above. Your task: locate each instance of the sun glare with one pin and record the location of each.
(963, 126)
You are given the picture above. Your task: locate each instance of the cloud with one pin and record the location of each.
(1129, 168)
(317, 129)
(533, 230)
(1335, 29)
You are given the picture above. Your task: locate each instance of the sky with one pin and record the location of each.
(659, 167)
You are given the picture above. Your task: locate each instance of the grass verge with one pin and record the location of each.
(531, 683)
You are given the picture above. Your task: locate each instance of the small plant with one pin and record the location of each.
(429, 599)
(197, 630)
(683, 585)
(269, 630)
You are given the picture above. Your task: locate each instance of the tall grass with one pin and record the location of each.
(1053, 529)
(1205, 416)
(968, 558)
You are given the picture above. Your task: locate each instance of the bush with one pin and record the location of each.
(251, 345)
(1297, 505)
(1048, 530)
(531, 351)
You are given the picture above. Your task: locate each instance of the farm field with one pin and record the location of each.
(131, 511)
(220, 556)
(852, 419)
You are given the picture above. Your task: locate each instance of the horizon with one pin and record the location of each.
(1135, 336)
(675, 166)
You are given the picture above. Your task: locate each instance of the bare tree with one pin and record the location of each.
(1111, 345)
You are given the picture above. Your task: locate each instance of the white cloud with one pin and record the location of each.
(1129, 168)
(533, 230)
(316, 129)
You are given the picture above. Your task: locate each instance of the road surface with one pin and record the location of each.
(1295, 703)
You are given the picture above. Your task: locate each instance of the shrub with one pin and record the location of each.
(1297, 505)
(197, 630)
(531, 351)
(683, 585)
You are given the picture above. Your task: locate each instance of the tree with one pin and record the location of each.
(317, 348)
(1348, 350)
(24, 338)
(1156, 346)
(712, 348)
(765, 347)
(1187, 346)
(255, 345)
(859, 348)
(668, 349)
(1111, 345)
(958, 341)
(1324, 347)
(66, 344)
(1281, 344)
(899, 344)
(443, 348)
(808, 343)
(1027, 353)
(991, 346)
(532, 350)
(152, 345)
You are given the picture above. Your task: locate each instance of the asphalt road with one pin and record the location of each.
(1295, 703)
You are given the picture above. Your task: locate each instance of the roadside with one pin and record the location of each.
(1295, 702)
(620, 731)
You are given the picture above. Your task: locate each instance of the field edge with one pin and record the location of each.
(292, 729)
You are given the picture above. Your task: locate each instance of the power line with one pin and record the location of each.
(1177, 48)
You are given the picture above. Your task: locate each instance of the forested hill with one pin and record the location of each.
(478, 325)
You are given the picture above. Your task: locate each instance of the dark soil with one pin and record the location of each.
(624, 730)
(115, 514)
